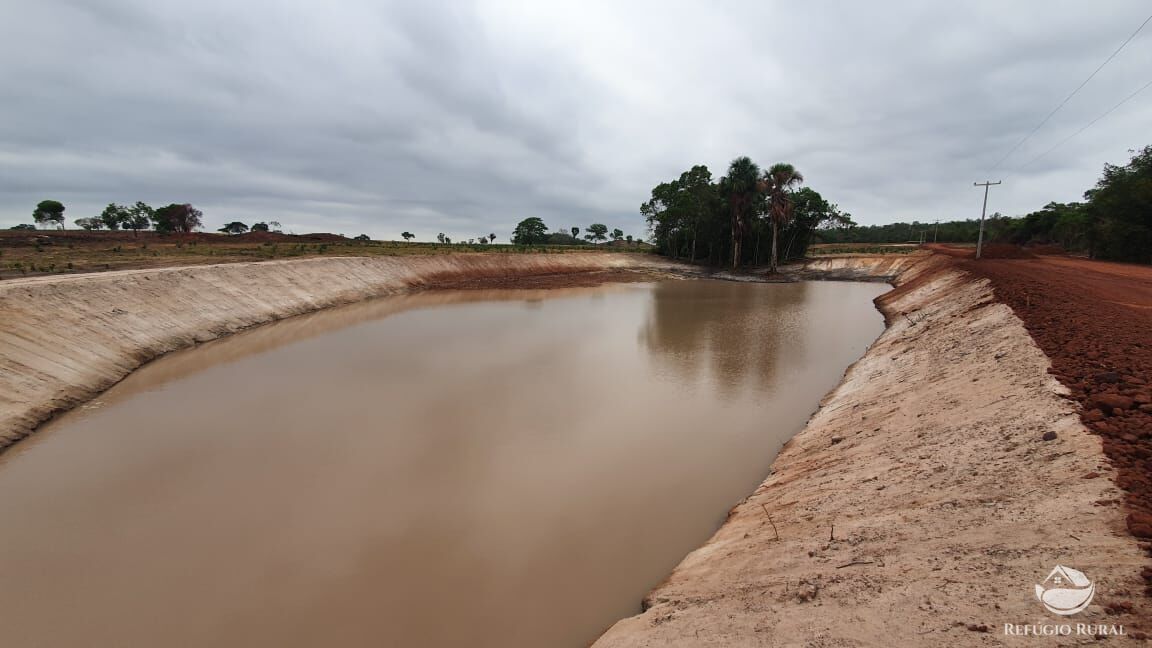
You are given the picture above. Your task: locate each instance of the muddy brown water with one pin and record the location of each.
(477, 468)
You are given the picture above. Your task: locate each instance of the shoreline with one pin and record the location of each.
(920, 495)
(921, 503)
(66, 339)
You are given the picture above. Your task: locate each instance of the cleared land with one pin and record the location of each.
(1094, 322)
(48, 252)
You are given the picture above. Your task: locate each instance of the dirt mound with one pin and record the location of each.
(1092, 320)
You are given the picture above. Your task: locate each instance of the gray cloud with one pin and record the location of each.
(459, 117)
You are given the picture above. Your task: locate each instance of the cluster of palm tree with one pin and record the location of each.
(745, 204)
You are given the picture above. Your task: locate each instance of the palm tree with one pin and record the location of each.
(778, 182)
(741, 185)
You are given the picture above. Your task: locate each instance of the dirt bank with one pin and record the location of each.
(943, 479)
(64, 339)
(1093, 320)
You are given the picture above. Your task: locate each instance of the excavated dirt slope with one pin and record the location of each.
(1094, 320)
(65, 339)
(942, 480)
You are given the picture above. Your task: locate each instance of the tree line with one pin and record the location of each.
(175, 218)
(749, 214)
(182, 218)
(533, 231)
(1114, 222)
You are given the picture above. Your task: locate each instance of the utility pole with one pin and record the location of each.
(980, 238)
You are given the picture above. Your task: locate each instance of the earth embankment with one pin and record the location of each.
(932, 490)
(65, 339)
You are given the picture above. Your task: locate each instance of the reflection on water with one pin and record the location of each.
(696, 327)
(480, 468)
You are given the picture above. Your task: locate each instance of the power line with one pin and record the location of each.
(1073, 94)
(1082, 129)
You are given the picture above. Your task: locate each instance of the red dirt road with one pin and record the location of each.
(1094, 321)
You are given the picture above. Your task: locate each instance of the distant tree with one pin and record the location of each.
(258, 227)
(23, 226)
(1119, 211)
(483, 240)
(812, 217)
(778, 182)
(276, 226)
(440, 237)
(597, 232)
(628, 238)
(176, 218)
(617, 234)
(741, 185)
(407, 236)
(140, 217)
(491, 238)
(89, 223)
(576, 232)
(362, 237)
(235, 227)
(447, 240)
(530, 231)
(562, 237)
(49, 212)
(115, 216)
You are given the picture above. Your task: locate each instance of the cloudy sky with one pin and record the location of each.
(465, 117)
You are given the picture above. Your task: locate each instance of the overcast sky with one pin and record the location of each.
(465, 117)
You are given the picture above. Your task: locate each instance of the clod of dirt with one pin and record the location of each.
(806, 592)
(1092, 415)
(1108, 402)
(1049, 436)
(1140, 524)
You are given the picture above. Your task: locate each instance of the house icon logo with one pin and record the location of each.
(1066, 591)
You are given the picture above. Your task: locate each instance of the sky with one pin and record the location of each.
(464, 117)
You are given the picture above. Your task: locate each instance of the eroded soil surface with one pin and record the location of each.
(1094, 321)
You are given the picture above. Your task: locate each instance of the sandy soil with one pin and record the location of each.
(1094, 320)
(943, 479)
(66, 338)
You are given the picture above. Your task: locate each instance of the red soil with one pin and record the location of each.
(1094, 321)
